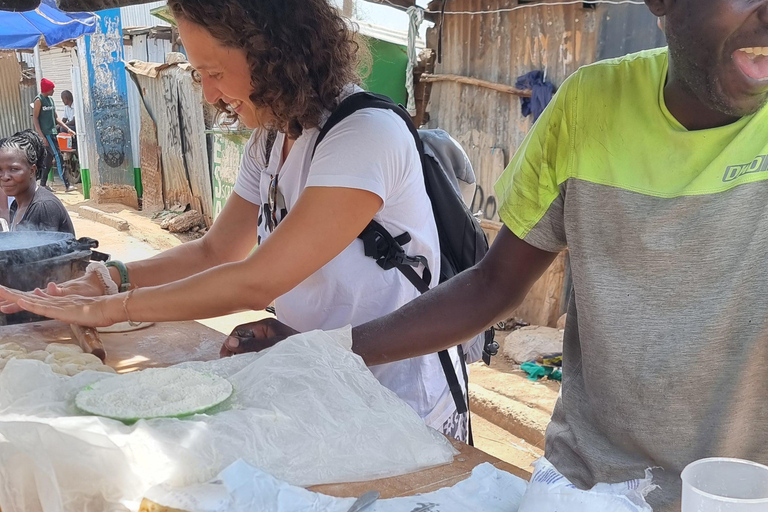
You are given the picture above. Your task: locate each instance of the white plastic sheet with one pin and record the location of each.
(550, 491)
(243, 488)
(306, 411)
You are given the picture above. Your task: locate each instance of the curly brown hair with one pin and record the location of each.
(301, 53)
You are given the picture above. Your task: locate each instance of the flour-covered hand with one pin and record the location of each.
(72, 309)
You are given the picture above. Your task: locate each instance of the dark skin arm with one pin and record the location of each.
(441, 318)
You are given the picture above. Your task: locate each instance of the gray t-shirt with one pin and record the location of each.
(666, 344)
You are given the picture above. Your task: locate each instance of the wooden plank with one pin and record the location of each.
(195, 145)
(508, 89)
(176, 187)
(424, 481)
(151, 163)
(163, 344)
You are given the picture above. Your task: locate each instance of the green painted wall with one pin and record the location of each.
(387, 74)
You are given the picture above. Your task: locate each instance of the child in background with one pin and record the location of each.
(69, 110)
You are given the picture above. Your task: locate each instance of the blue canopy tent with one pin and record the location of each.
(23, 30)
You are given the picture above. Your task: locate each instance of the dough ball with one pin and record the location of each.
(104, 369)
(58, 369)
(10, 354)
(68, 357)
(12, 346)
(72, 369)
(39, 355)
(88, 359)
(54, 348)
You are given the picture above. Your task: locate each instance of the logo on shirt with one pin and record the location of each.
(759, 164)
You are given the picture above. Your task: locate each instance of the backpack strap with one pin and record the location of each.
(386, 249)
(389, 253)
(268, 145)
(460, 350)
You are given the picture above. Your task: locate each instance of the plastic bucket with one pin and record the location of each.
(725, 485)
(65, 141)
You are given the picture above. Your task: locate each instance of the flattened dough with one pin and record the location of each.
(154, 393)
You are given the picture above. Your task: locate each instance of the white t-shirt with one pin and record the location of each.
(69, 113)
(370, 150)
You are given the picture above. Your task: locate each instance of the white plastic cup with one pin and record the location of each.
(725, 485)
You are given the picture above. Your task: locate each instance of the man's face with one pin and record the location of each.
(719, 50)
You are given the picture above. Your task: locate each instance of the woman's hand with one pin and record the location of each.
(255, 337)
(71, 309)
(88, 285)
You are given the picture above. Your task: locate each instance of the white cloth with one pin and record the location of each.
(69, 113)
(242, 488)
(550, 491)
(306, 411)
(370, 150)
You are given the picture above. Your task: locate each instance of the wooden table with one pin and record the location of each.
(162, 344)
(171, 343)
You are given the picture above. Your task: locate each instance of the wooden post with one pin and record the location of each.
(477, 82)
(348, 8)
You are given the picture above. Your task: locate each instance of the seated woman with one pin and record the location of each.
(34, 208)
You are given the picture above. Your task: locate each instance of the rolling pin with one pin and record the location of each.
(89, 341)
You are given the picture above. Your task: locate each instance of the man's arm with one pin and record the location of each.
(458, 309)
(36, 119)
(61, 123)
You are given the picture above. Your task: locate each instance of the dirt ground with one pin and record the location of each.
(509, 412)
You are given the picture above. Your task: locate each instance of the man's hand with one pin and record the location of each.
(255, 337)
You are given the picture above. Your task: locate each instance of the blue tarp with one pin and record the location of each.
(22, 30)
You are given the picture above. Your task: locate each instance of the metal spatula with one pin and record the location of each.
(364, 501)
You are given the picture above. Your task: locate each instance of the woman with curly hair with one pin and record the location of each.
(34, 208)
(283, 66)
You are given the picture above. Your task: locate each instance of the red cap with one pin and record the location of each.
(46, 85)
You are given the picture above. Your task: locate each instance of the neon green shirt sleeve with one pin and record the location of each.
(531, 182)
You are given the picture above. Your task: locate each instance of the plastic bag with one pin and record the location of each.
(243, 488)
(550, 491)
(306, 411)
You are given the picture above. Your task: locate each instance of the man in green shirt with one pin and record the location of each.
(652, 170)
(46, 121)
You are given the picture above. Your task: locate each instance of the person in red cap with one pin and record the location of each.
(46, 120)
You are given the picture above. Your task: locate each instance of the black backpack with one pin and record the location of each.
(462, 241)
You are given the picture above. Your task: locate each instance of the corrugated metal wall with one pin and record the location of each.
(499, 48)
(139, 15)
(626, 30)
(14, 114)
(57, 66)
(147, 49)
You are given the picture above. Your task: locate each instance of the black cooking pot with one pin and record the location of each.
(30, 260)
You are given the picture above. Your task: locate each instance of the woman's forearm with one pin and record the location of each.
(218, 291)
(171, 265)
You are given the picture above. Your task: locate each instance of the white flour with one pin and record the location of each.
(154, 393)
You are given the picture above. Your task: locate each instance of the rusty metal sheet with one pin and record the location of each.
(151, 163)
(627, 29)
(499, 48)
(16, 115)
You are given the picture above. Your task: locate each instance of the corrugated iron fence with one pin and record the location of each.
(15, 96)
